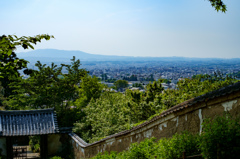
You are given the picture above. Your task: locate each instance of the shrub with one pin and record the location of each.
(34, 142)
(142, 150)
(37, 148)
(220, 139)
(173, 148)
(163, 149)
(56, 157)
(106, 155)
(221, 136)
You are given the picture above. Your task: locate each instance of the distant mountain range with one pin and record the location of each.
(53, 55)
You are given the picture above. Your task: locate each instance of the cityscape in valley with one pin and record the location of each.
(137, 69)
(105, 79)
(102, 98)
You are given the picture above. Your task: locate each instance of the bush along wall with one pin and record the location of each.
(220, 138)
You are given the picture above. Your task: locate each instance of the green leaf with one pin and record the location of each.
(9, 52)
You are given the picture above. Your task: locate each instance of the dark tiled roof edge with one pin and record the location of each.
(28, 122)
(55, 122)
(65, 130)
(12, 112)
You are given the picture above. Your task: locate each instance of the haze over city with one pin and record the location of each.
(127, 28)
(183, 28)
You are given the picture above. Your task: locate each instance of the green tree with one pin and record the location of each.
(152, 90)
(218, 5)
(151, 102)
(10, 64)
(2, 99)
(135, 105)
(90, 89)
(46, 89)
(106, 115)
(150, 78)
(71, 82)
(220, 137)
(190, 88)
(119, 84)
(37, 91)
(139, 85)
(165, 81)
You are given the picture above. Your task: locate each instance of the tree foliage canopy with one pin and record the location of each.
(45, 89)
(9, 63)
(218, 5)
(119, 84)
(114, 112)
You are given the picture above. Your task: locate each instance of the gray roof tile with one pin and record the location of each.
(28, 122)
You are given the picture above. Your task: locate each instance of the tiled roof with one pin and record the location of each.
(28, 122)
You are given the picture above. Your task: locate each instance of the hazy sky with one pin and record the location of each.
(190, 28)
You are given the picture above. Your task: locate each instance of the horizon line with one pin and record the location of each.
(133, 56)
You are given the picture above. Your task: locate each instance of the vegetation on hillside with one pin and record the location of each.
(114, 112)
(81, 100)
(96, 112)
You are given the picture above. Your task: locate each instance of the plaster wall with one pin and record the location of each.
(78, 151)
(190, 118)
(58, 143)
(54, 143)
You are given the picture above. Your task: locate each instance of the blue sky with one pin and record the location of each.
(189, 28)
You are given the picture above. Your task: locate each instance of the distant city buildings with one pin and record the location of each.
(146, 71)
